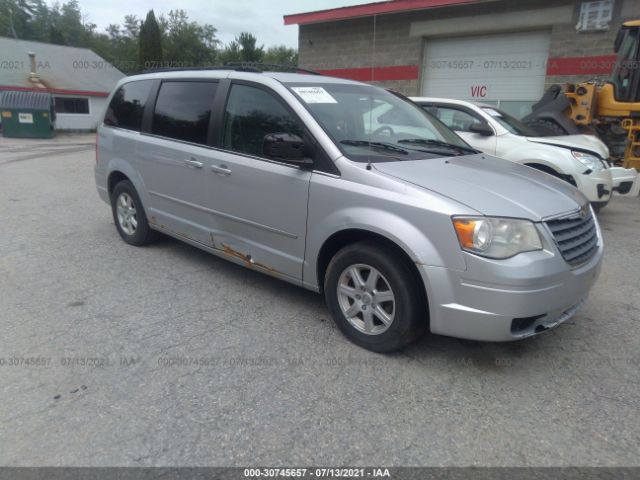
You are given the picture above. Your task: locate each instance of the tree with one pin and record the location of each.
(150, 42)
(231, 53)
(187, 44)
(70, 23)
(120, 44)
(56, 36)
(40, 23)
(131, 26)
(133, 44)
(281, 55)
(249, 52)
(15, 16)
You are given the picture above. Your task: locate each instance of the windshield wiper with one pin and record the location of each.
(438, 143)
(379, 145)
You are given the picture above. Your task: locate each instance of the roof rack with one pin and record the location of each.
(254, 67)
(270, 67)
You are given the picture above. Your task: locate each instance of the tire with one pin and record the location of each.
(361, 319)
(597, 206)
(546, 128)
(130, 219)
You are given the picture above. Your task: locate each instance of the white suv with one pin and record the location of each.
(579, 159)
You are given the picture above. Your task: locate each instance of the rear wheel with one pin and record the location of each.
(374, 298)
(129, 217)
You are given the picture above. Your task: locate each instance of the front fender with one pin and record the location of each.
(432, 242)
(393, 227)
(555, 160)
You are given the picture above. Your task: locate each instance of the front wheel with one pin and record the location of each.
(374, 297)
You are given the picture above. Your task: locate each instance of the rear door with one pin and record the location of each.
(260, 203)
(175, 158)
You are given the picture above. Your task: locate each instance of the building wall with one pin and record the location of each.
(347, 44)
(82, 122)
(350, 44)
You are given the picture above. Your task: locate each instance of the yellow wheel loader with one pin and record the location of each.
(609, 109)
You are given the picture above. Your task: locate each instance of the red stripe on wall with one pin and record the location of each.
(596, 65)
(368, 9)
(367, 74)
(59, 91)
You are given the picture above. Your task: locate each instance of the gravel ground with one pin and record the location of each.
(165, 355)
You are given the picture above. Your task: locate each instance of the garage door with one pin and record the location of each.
(501, 67)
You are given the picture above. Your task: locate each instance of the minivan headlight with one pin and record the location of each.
(496, 237)
(589, 161)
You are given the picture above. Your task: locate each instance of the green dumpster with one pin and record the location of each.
(27, 114)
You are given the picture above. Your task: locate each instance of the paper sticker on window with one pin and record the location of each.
(25, 118)
(6, 114)
(314, 95)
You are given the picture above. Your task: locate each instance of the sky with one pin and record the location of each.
(263, 18)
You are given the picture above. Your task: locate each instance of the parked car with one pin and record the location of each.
(581, 160)
(401, 224)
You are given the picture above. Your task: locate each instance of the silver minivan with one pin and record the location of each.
(347, 189)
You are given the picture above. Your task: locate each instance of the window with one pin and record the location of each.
(183, 110)
(455, 119)
(354, 115)
(251, 114)
(595, 16)
(512, 124)
(127, 105)
(625, 68)
(72, 105)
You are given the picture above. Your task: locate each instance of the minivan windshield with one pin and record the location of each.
(371, 124)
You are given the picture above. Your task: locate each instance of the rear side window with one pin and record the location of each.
(183, 110)
(127, 105)
(251, 114)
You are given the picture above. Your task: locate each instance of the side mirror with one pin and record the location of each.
(286, 147)
(481, 129)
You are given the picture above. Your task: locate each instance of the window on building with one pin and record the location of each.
(72, 105)
(251, 114)
(595, 16)
(127, 105)
(183, 110)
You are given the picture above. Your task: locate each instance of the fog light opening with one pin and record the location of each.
(519, 325)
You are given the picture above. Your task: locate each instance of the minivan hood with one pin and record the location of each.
(582, 142)
(490, 185)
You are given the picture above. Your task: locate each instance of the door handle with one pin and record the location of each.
(221, 169)
(190, 162)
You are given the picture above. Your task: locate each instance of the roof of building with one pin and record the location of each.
(27, 100)
(369, 9)
(61, 69)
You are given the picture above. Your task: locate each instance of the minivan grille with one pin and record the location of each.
(576, 236)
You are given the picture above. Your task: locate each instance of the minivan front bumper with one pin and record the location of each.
(505, 300)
